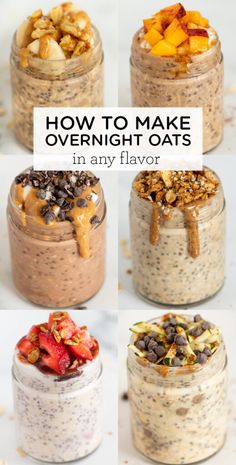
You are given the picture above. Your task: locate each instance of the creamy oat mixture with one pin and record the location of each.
(56, 61)
(57, 391)
(177, 224)
(177, 388)
(56, 224)
(176, 61)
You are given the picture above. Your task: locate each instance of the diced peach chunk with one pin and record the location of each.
(198, 44)
(192, 26)
(153, 36)
(197, 18)
(164, 49)
(176, 33)
(153, 23)
(174, 11)
(183, 49)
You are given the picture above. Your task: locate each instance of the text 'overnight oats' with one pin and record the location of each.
(56, 61)
(177, 226)
(57, 391)
(176, 61)
(56, 225)
(177, 388)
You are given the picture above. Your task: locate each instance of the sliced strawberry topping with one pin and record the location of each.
(81, 351)
(62, 322)
(25, 346)
(33, 335)
(58, 358)
(83, 336)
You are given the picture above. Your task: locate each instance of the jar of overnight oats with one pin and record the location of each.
(177, 227)
(187, 75)
(56, 61)
(58, 416)
(56, 224)
(178, 410)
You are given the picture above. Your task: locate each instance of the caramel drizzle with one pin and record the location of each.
(190, 214)
(193, 231)
(155, 225)
(31, 205)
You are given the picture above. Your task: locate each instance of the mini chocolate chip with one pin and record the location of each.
(160, 351)
(180, 340)
(153, 334)
(49, 217)
(170, 338)
(125, 396)
(62, 183)
(176, 362)
(196, 331)
(77, 191)
(45, 209)
(95, 220)
(197, 318)
(207, 351)
(152, 345)
(140, 344)
(69, 218)
(62, 194)
(170, 329)
(60, 202)
(81, 203)
(146, 340)
(41, 194)
(165, 324)
(152, 357)
(183, 325)
(173, 321)
(201, 358)
(62, 216)
(206, 325)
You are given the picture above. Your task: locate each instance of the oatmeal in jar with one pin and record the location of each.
(177, 227)
(57, 391)
(56, 226)
(177, 388)
(56, 61)
(176, 61)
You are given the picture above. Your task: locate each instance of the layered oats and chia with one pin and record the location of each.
(177, 388)
(176, 61)
(57, 391)
(56, 61)
(56, 226)
(177, 226)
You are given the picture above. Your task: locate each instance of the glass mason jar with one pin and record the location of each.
(75, 82)
(180, 82)
(47, 263)
(58, 419)
(178, 415)
(187, 263)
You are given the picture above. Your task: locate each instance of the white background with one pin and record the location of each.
(103, 14)
(226, 298)
(101, 325)
(227, 322)
(106, 298)
(222, 16)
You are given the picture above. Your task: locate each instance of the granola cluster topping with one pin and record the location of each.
(65, 32)
(58, 346)
(176, 188)
(176, 340)
(59, 192)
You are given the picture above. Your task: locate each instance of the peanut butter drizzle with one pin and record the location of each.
(31, 205)
(190, 214)
(155, 225)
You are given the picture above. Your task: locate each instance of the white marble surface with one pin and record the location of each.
(103, 13)
(104, 327)
(222, 17)
(227, 322)
(9, 299)
(226, 298)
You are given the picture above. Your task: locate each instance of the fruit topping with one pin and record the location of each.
(186, 30)
(175, 340)
(62, 34)
(58, 346)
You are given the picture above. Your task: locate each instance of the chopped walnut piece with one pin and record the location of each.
(176, 188)
(68, 26)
